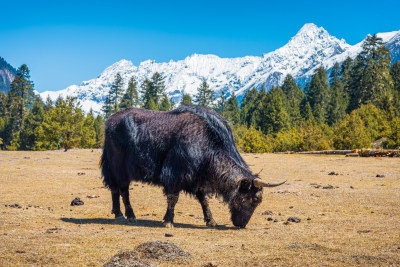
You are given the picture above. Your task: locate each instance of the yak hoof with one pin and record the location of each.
(119, 217)
(132, 220)
(168, 225)
(211, 223)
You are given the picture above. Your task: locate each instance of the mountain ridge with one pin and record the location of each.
(310, 48)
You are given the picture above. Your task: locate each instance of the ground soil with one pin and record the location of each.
(348, 219)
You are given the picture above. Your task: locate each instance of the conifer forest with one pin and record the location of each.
(346, 107)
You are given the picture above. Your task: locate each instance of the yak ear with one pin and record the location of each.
(245, 184)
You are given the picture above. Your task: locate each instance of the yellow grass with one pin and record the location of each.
(358, 226)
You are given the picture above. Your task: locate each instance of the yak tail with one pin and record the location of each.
(106, 172)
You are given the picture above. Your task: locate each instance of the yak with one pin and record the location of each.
(189, 149)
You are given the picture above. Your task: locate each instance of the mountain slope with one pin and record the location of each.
(310, 48)
(7, 73)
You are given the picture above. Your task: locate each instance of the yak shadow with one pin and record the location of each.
(142, 223)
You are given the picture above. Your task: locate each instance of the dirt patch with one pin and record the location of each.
(163, 251)
(127, 258)
(150, 251)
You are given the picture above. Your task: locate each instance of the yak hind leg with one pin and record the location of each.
(172, 199)
(130, 216)
(116, 208)
(208, 218)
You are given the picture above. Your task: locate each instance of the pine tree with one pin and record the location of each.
(395, 73)
(249, 111)
(20, 100)
(159, 88)
(205, 96)
(339, 99)
(115, 93)
(273, 114)
(99, 130)
(221, 104)
(131, 97)
(107, 107)
(294, 96)
(186, 100)
(371, 80)
(152, 91)
(232, 110)
(318, 94)
(345, 73)
(32, 122)
(165, 104)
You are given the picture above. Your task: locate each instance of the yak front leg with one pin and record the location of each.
(130, 216)
(116, 209)
(208, 218)
(172, 199)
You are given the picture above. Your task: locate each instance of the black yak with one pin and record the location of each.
(189, 149)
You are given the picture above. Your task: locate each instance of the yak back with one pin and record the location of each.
(172, 149)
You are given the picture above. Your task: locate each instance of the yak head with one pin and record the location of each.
(246, 197)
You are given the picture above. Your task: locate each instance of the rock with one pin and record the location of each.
(351, 187)
(380, 175)
(291, 207)
(267, 212)
(294, 219)
(328, 187)
(276, 220)
(270, 219)
(169, 234)
(76, 202)
(308, 219)
(81, 173)
(333, 173)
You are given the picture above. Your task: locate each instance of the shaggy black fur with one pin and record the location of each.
(189, 149)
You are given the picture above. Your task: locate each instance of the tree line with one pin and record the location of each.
(349, 106)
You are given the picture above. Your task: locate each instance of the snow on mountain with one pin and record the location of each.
(310, 48)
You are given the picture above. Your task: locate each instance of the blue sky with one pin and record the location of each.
(67, 42)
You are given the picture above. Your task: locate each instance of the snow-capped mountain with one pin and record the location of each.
(310, 48)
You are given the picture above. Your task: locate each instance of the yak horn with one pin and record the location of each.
(260, 183)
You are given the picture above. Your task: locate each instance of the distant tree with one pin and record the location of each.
(395, 73)
(221, 104)
(165, 104)
(115, 93)
(88, 137)
(205, 96)
(98, 125)
(29, 132)
(339, 98)
(318, 94)
(186, 100)
(273, 114)
(249, 112)
(131, 97)
(20, 100)
(62, 125)
(107, 107)
(371, 80)
(232, 111)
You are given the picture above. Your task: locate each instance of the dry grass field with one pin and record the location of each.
(354, 221)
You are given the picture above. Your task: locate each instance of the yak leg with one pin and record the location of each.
(130, 216)
(116, 209)
(208, 218)
(172, 199)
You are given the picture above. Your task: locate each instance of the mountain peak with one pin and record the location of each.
(310, 32)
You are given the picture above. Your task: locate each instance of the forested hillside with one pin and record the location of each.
(358, 103)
